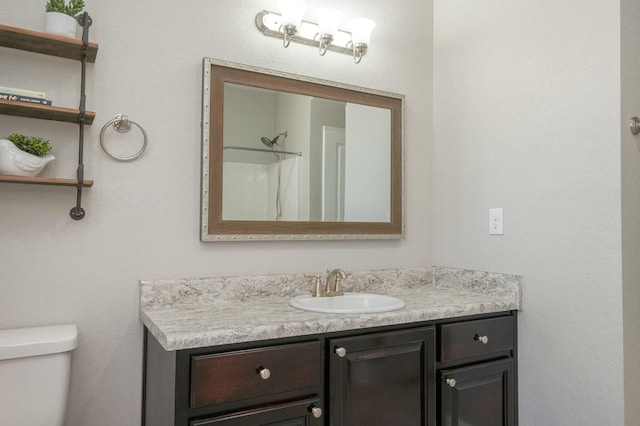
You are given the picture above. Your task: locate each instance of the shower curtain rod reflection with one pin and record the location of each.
(244, 148)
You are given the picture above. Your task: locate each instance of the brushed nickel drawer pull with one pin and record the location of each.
(265, 373)
(341, 352)
(481, 339)
(451, 382)
(315, 411)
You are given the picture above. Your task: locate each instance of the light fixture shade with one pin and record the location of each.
(328, 20)
(361, 29)
(292, 11)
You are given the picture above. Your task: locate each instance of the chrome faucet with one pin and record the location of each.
(334, 287)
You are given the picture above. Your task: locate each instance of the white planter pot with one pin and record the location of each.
(60, 24)
(16, 162)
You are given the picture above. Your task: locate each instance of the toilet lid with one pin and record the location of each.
(34, 341)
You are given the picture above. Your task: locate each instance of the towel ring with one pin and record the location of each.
(122, 124)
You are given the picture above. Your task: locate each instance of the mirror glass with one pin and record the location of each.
(287, 157)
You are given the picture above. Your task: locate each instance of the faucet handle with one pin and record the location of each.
(333, 282)
(340, 275)
(318, 292)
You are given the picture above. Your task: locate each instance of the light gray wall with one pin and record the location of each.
(631, 208)
(143, 217)
(527, 117)
(241, 103)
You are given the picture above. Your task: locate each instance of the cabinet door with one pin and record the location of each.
(383, 379)
(296, 413)
(479, 395)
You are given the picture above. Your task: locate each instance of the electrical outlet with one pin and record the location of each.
(496, 222)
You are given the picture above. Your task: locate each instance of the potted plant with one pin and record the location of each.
(22, 155)
(60, 18)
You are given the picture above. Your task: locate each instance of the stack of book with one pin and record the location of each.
(23, 95)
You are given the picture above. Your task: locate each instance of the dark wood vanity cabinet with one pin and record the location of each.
(383, 379)
(279, 384)
(296, 413)
(450, 373)
(266, 372)
(477, 373)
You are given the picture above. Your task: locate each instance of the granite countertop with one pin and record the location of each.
(191, 313)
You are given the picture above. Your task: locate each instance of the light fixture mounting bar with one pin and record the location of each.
(269, 25)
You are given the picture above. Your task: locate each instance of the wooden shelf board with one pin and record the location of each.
(45, 112)
(48, 44)
(43, 181)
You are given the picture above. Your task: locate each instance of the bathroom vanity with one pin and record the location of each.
(242, 359)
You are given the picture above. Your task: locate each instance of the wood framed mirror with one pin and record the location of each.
(287, 157)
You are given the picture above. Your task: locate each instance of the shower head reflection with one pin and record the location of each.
(270, 143)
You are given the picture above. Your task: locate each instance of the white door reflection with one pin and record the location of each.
(333, 159)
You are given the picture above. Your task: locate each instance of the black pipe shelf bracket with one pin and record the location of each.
(77, 212)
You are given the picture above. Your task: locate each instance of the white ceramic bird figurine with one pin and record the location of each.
(16, 162)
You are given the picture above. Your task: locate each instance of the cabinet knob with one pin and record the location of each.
(341, 352)
(451, 382)
(315, 411)
(481, 339)
(264, 373)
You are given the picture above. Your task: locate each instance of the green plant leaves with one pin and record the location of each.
(72, 9)
(31, 144)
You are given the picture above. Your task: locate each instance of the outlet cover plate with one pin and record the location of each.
(496, 221)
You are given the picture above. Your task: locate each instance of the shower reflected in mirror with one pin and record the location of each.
(271, 143)
(263, 182)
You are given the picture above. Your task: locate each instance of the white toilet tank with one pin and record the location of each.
(34, 374)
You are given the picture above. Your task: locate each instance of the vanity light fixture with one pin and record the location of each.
(288, 26)
(361, 29)
(291, 18)
(328, 22)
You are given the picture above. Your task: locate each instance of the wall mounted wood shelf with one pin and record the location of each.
(63, 47)
(48, 44)
(44, 112)
(44, 181)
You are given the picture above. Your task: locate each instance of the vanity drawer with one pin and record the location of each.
(475, 338)
(239, 375)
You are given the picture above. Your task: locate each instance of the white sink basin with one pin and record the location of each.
(350, 303)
